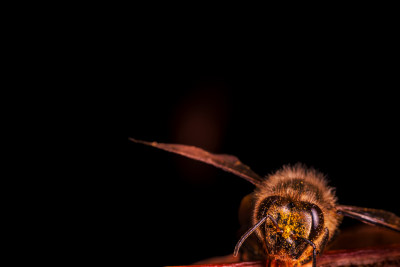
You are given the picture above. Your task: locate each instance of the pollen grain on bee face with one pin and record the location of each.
(290, 223)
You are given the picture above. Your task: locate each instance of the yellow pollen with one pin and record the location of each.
(290, 223)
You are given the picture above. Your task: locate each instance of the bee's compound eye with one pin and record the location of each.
(315, 218)
(317, 221)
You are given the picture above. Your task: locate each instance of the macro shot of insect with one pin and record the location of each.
(292, 214)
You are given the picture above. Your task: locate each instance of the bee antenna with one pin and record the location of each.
(250, 231)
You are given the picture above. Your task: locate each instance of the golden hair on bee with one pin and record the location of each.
(300, 183)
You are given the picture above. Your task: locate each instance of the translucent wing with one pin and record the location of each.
(371, 216)
(228, 163)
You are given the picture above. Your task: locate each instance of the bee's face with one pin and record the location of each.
(293, 222)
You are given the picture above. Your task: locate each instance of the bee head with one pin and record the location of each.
(288, 225)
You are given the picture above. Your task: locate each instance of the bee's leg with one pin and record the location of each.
(324, 241)
(321, 245)
(314, 252)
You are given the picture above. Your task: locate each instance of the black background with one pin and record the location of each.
(338, 115)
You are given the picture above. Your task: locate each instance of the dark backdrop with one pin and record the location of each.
(342, 121)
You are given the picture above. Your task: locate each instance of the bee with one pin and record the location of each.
(293, 213)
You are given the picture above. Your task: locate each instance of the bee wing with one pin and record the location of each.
(228, 163)
(371, 216)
